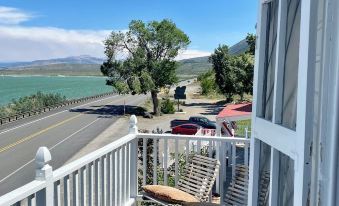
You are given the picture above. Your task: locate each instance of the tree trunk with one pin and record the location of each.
(229, 98)
(155, 101)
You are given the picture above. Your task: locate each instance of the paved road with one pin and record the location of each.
(64, 132)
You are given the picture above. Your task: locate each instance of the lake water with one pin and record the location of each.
(13, 87)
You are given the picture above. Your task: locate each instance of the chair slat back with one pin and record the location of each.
(238, 189)
(199, 176)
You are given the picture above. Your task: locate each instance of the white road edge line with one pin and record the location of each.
(17, 170)
(28, 123)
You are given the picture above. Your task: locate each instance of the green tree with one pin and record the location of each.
(141, 60)
(242, 68)
(251, 39)
(233, 74)
(222, 66)
(207, 82)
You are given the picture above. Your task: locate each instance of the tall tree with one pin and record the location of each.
(251, 39)
(233, 74)
(242, 67)
(222, 66)
(141, 60)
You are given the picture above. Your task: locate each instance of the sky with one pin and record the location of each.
(45, 29)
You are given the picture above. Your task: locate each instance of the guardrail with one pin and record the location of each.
(23, 115)
(113, 174)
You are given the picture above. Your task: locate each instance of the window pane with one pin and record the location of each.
(292, 37)
(286, 180)
(264, 173)
(270, 59)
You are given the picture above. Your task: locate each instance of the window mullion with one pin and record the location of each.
(280, 63)
(302, 174)
(260, 61)
(274, 177)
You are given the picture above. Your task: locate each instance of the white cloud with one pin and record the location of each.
(24, 43)
(12, 16)
(192, 53)
(20, 43)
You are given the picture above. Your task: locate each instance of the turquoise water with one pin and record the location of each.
(13, 87)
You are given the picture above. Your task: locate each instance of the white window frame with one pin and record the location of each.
(281, 139)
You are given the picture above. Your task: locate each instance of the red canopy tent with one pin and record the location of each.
(235, 112)
(231, 113)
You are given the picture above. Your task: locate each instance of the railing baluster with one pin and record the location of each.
(111, 177)
(57, 194)
(119, 177)
(199, 146)
(176, 161)
(90, 184)
(108, 179)
(210, 149)
(31, 201)
(233, 158)
(222, 173)
(155, 160)
(97, 182)
(67, 195)
(82, 186)
(75, 188)
(187, 149)
(114, 176)
(103, 180)
(123, 174)
(246, 153)
(246, 147)
(165, 161)
(128, 171)
(210, 154)
(144, 160)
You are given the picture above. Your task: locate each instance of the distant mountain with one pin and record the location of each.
(239, 48)
(87, 65)
(83, 59)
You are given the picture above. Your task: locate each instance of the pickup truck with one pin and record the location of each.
(199, 120)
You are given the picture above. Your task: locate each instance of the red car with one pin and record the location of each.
(186, 129)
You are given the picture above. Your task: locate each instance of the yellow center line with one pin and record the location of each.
(36, 134)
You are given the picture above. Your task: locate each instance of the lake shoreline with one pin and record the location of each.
(73, 87)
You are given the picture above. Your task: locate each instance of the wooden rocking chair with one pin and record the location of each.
(238, 190)
(198, 178)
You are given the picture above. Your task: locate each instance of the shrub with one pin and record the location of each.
(29, 103)
(207, 83)
(167, 106)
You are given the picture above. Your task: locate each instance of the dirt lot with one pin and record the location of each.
(194, 105)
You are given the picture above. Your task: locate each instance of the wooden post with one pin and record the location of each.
(178, 105)
(133, 129)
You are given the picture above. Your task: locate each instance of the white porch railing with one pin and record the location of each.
(110, 175)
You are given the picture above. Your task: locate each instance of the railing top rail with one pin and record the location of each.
(197, 137)
(83, 161)
(22, 192)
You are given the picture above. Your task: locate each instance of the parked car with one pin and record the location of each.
(186, 129)
(198, 120)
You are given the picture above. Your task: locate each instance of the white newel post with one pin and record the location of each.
(133, 130)
(44, 172)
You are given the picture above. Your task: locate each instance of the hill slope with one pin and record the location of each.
(90, 66)
(83, 59)
(196, 66)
